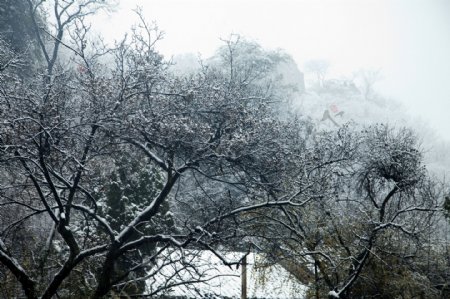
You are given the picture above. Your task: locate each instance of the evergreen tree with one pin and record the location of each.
(128, 189)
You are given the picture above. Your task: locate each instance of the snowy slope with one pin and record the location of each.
(345, 103)
(221, 281)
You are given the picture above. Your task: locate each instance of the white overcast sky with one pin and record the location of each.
(408, 40)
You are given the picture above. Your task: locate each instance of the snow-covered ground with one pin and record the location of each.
(220, 281)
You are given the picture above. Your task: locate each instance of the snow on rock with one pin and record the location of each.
(333, 294)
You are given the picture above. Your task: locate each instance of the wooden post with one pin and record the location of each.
(316, 278)
(244, 279)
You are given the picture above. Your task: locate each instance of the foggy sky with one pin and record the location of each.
(408, 40)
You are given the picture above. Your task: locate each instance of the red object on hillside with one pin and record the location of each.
(81, 69)
(334, 108)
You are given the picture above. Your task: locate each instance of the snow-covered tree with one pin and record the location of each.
(81, 138)
(111, 166)
(379, 204)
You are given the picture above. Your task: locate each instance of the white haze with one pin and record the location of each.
(408, 40)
